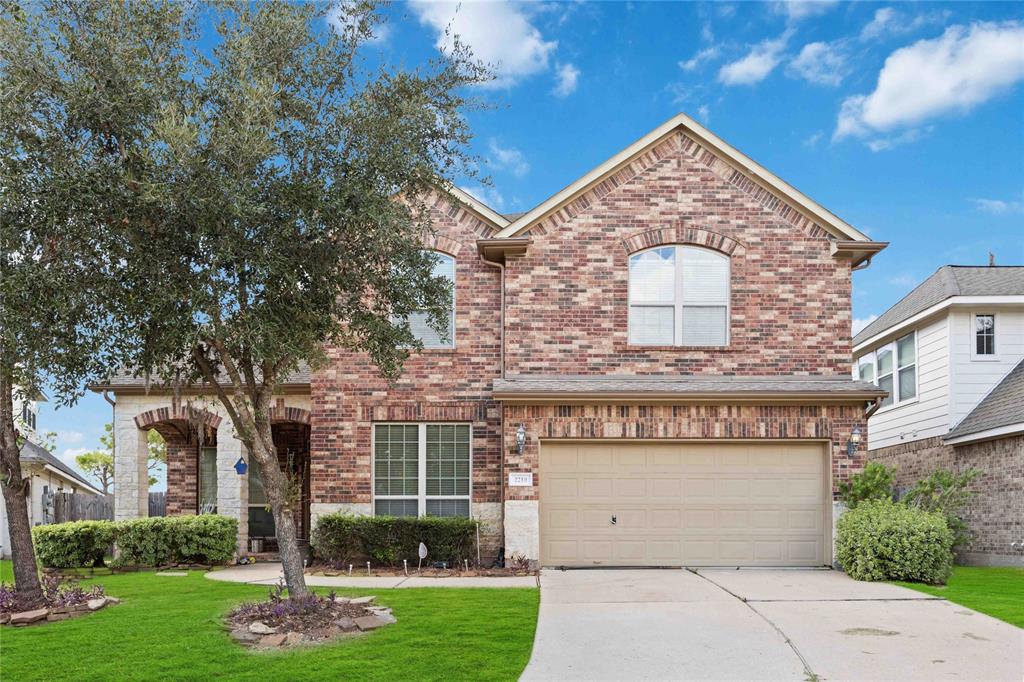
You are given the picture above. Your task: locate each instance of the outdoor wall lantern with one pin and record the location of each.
(241, 467)
(851, 445)
(521, 438)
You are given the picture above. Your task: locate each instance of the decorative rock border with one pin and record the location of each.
(260, 636)
(55, 613)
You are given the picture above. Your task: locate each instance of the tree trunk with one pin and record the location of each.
(26, 574)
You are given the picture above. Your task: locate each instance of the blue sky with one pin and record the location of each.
(906, 120)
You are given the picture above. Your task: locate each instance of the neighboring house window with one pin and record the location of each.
(208, 480)
(678, 296)
(28, 415)
(985, 335)
(893, 368)
(421, 469)
(419, 321)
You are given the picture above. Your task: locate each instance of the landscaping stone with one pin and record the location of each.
(259, 628)
(270, 641)
(346, 624)
(54, 617)
(26, 617)
(113, 600)
(361, 601)
(366, 623)
(4, 618)
(387, 618)
(293, 638)
(96, 604)
(244, 636)
(172, 574)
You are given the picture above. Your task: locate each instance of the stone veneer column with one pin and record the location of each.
(131, 471)
(232, 489)
(522, 529)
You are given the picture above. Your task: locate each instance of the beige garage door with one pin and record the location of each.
(682, 504)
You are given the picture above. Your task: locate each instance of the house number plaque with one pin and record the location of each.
(520, 479)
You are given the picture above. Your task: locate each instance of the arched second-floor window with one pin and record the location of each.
(444, 266)
(678, 296)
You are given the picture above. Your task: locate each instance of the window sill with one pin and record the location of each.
(890, 408)
(984, 358)
(717, 349)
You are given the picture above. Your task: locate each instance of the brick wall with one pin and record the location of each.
(808, 422)
(348, 395)
(567, 298)
(995, 514)
(182, 476)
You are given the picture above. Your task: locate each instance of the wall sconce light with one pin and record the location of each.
(851, 445)
(521, 438)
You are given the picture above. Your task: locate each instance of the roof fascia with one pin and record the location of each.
(768, 180)
(987, 434)
(479, 207)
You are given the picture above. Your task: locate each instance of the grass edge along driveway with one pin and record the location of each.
(171, 628)
(995, 591)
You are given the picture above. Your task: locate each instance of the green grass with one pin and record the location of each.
(999, 592)
(171, 628)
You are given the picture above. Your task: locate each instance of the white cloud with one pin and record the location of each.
(904, 280)
(340, 18)
(998, 206)
(812, 140)
(707, 54)
(860, 322)
(70, 437)
(795, 10)
(507, 158)
(820, 63)
(499, 33)
(757, 64)
(888, 21)
(703, 112)
(69, 454)
(568, 78)
(955, 72)
(487, 195)
(881, 144)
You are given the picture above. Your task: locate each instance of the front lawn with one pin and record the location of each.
(999, 592)
(171, 628)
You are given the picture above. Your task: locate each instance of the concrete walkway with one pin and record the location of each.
(270, 573)
(759, 624)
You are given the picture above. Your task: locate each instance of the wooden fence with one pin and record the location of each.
(61, 507)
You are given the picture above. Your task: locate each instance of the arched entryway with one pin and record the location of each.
(190, 435)
(291, 431)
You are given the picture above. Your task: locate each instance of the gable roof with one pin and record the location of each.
(30, 452)
(946, 282)
(126, 381)
(814, 211)
(1003, 406)
(479, 207)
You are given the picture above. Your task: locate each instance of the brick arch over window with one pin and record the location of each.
(437, 242)
(280, 413)
(681, 234)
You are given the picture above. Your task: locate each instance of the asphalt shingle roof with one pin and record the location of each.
(129, 380)
(1003, 406)
(682, 385)
(946, 282)
(30, 452)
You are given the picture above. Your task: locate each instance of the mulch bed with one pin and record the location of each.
(431, 572)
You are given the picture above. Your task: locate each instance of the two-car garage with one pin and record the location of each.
(630, 503)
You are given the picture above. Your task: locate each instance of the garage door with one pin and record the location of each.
(682, 504)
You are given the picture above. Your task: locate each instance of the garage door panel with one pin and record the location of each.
(682, 504)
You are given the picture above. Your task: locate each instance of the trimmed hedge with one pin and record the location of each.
(164, 540)
(156, 541)
(886, 540)
(73, 544)
(387, 540)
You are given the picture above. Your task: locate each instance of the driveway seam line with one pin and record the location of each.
(811, 675)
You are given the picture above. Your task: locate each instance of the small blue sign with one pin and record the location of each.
(241, 467)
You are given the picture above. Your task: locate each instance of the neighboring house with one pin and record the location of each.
(652, 367)
(951, 355)
(46, 474)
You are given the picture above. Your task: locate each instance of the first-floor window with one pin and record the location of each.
(207, 480)
(421, 469)
(261, 520)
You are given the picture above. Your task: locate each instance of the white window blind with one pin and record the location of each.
(422, 469)
(419, 322)
(679, 295)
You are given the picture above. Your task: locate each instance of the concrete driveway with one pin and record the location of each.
(672, 624)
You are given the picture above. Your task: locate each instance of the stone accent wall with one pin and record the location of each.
(567, 298)
(778, 422)
(995, 514)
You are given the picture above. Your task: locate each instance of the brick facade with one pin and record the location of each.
(995, 515)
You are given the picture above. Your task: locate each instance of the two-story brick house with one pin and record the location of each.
(652, 367)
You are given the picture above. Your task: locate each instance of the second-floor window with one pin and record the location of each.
(419, 321)
(28, 415)
(893, 368)
(678, 296)
(984, 335)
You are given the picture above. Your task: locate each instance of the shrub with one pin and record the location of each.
(73, 544)
(875, 482)
(946, 493)
(342, 539)
(886, 540)
(165, 540)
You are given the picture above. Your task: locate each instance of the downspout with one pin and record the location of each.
(501, 405)
(113, 424)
